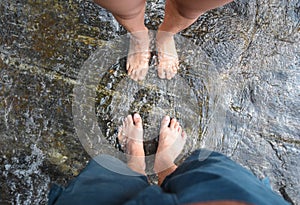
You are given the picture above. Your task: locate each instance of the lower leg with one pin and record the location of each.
(131, 136)
(179, 14)
(171, 142)
(130, 14)
(184, 13)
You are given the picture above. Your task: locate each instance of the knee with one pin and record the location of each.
(194, 8)
(124, 9)
(188, 14)
(127, 15)
(186, 10)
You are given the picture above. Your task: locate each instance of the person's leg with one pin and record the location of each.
(130, 14)
(97, 184)
(179, 14)
(171, 142)
(107, 180)
(131, 136)
(211, 176)
(184, 13)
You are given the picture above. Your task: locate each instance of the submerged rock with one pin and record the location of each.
(254, 47)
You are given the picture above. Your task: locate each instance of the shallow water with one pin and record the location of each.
(197, 104)
(254, 50)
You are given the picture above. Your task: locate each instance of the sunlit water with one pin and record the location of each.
(253, 47)
(193, 97)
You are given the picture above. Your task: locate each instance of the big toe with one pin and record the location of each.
(165, 122)
(138, 72)
(142, 73)
(137, 120)
(133, 75)
(161, 73)
(170, 74)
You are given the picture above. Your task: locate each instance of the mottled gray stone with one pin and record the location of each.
(254, 46)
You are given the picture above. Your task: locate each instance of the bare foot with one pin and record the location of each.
(167, 55)
(138, 56)
(131, 137)
(170, 145)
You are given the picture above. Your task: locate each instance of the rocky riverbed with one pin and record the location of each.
(254, 47)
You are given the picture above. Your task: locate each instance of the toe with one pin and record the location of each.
(144, 72)
(169, 74)
(165, 122)
(128, 120)
(129, 70)
(133, 75)
(179, 129)
(127, 65)
(140, 78)
(175, 67)
(173, 123)
(183, 135)
(120, 134)
(172, 71)
(176, 125)
(161, 72)
(124, 124)
(137, 120)
(172, 75)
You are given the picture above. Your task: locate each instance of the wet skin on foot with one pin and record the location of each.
(131, 134)
(171, 142)
(168, 63)
(138, 56)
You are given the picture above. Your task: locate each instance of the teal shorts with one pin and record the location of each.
(213, 178)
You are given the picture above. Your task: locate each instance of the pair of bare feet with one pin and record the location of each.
(139, 54)
(171, 141)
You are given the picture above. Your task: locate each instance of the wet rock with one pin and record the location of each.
(43, 44)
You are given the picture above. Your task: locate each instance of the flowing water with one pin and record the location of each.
(237, 90)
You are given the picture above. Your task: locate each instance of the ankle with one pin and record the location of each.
(140, 34)
(166, 29)
(164, 34)
(137, 169)
(166, 172)
(162, 162)
(132, 148)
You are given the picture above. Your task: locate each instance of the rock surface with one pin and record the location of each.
(254, 46)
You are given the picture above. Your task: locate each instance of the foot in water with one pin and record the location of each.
(131, 137)
(168, 63)
(170, 145)
(138, 56)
